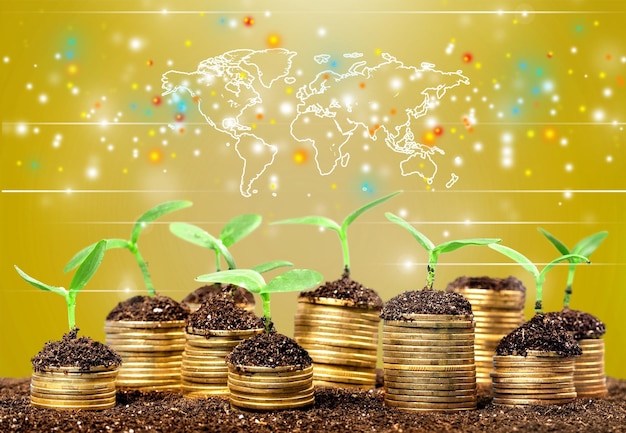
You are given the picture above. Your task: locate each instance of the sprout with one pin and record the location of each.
(294, 280)
(90, 263)
(434, 250)
(342, 230)
(584, 247)
(540, 277)
(234, 230)
(131, 245)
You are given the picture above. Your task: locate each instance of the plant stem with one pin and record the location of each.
(267, 314)
(568, 289)
(539, 298)
(430, 278)
(71, 312)
(346, 253)
(217, 262)
(144, 269)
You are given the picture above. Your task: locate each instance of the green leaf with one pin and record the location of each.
(269, 266)
(319, 221)
(246, 278)
(200, 237)
(560, 246)
(294, 280)
(80, 256)
(574, 258)
(354, 215)
(239, 227)
(155, 213)
(589, 244)
(516, 257)
(42, 286)
(422, 239)
(447, 247)
(88, 267)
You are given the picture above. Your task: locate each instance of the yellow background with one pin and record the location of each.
(77, 81)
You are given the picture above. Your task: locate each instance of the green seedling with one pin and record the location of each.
(584, 247)
(540, 277)
(131, 245)
(342, 230)
(234, 230)
(434, 250)
(86, 269)
(294, 280)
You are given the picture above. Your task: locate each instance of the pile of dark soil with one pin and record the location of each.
(222, 314)
(347, 289)
(74, 351)
(269, 350)
(425, 302)
(543, 333)
(486, 283)
(148, 308)
(240, 295)
(335, 410)
(580, 324)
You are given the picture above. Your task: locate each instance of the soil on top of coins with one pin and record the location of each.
(487, 283)
(241, 296)
(269, 350)
(335, 410)
(425, 301)
(222, 314)
(542, 333)
(346, 289)
(74, 351)
(142, 308)
(582, 325)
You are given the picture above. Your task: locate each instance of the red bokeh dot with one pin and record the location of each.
(248, 21)
(149, 62)
(156, 100)
(467, 57)
(179, 117)
(438, 130)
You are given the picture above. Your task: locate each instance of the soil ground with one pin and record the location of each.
(336, 410)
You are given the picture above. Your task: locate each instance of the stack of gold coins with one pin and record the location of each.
(270, 388)
(341, 339)
(429, 363)
(496, 313)
(151, 353)
(539, 378)
(204, 371)
(71, 388)
(589, 377)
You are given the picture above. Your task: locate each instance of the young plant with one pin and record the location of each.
(540, 277)
(434, 250)
(294, 280)
(234, 230)
(131, 245)
(584, 247)
(86, 269)
(342, 230)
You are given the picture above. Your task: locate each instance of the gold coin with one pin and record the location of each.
(469, 367)
(428, 325)
(339, 384)
(204, 392)
(431, 399)
(327, 310)
(425, 343)
(441, 374)
(418, 361)
(429, 354)
(343, 371)
(72, 397)
(528, 401)
(417, 384)
(271, 405)
(84, 405)
(530, 379)
(418, 349)
(275, 393)
(272, 396)
(538, 394)
(533, 393)
(430, 407)
(450, 332)
(368, 325)
(335, 342)
(329, 360)
(353, 338)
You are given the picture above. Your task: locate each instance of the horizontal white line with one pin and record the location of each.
(460, 223)
(463, 191)
(326, 11)
(165, 123)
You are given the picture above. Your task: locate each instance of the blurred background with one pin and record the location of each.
(534, 138)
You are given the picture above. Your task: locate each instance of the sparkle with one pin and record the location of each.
(569, 167)
(92, 172)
